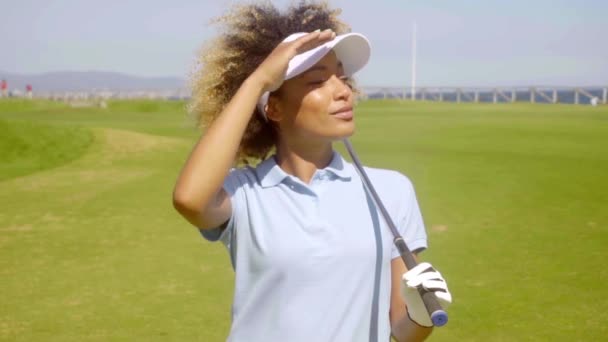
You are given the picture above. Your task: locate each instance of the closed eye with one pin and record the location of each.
(321, 80)
(317, 82)
(347, 80)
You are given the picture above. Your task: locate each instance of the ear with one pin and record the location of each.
(273, 109)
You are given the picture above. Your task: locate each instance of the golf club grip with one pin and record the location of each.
(438, 316)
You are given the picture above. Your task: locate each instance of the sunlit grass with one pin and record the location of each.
(514, 198)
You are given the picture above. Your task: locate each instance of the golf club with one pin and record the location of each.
(438, 316)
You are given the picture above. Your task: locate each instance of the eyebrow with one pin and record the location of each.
(322, 68)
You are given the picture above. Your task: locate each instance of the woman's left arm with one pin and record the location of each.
(402, 327)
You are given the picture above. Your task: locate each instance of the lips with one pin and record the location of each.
(345, 113)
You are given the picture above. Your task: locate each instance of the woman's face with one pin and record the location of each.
(317, 105)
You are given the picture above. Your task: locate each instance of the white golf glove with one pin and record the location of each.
(425, 276)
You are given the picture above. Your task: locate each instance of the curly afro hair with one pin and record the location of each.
(248, 33)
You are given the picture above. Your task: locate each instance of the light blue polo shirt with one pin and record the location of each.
(312, 261)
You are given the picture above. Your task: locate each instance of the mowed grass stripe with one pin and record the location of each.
(30, 147)
(513, 197)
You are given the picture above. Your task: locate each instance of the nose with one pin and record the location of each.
(342, 90)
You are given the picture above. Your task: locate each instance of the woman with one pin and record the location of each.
(312, 259)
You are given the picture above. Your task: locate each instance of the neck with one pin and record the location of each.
(302, 161)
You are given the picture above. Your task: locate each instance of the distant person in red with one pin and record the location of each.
(28, 91)
(3, 88)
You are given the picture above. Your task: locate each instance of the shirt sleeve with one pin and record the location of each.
(409, 222)
(226, 231)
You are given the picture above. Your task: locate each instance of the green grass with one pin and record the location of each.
(514, 197)
(145, 116)
(29, 147)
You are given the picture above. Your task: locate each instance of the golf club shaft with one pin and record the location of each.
(438, 315)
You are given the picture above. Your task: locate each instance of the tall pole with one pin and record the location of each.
(414, 62)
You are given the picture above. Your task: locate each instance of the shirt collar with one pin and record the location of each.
(339, 167)
(270, 174)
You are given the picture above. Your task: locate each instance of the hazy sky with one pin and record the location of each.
(508, 42)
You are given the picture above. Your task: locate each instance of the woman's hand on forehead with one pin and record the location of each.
(312, 40)
(272, 70)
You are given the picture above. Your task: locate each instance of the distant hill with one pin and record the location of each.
(90, 80)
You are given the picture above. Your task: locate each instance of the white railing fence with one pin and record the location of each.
(541, 94)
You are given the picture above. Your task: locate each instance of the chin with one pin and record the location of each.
(344, 132)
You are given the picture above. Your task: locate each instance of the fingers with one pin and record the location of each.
(435, 285)
(425, 276)
(312, 40)
(272, 70)
(416, 271)
(445, 298)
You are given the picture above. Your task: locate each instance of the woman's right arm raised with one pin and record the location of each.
(198, 194)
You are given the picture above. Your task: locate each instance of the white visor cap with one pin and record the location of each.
(352, 49)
